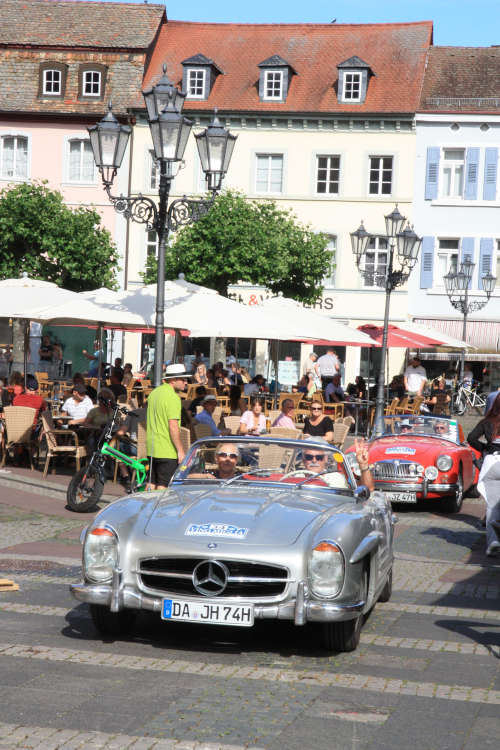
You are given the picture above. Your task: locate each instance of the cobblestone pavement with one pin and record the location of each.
(427, 671)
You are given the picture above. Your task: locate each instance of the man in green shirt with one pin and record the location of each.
(163, 437)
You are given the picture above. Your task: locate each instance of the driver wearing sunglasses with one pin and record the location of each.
(226, 458)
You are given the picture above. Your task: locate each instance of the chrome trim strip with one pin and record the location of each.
(300, 614)
(423, 488)
(232, 579)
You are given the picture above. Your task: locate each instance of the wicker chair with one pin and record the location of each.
(202, 430)
(340, 432)
(233, 424)
(185, 438)
(275, 457)
(54, 448)
(285, 432)
(19, 429)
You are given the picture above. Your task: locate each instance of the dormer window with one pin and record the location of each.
(274, 79)
(352, 87)
(354, 75)
(91, 81)
(273, 84)
(52, 79)
(196, 83)
(198, 76)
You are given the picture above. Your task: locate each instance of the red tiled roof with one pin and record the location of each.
(79, 24)
(395, 52)
(461, 79)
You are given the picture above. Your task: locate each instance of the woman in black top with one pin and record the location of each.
(489, 477)
(318, 424)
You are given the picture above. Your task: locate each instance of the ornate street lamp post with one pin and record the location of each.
(408, 246)
(170, 132)
(457, 285)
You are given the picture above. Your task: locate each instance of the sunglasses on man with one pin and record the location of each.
(314, 456)
(232, 456)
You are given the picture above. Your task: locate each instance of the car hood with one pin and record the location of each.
(256, 516)
(420, 449)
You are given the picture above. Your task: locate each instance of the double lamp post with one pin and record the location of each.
(170, 131)
(457, 285)
(403, 245)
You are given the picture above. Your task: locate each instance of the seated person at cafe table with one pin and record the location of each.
(29, 397)
(99, 416)
(318, 424)
(78, 405)
(334, 393)
(116, 385)
(205, 415)
(253, 421)
(285, 419)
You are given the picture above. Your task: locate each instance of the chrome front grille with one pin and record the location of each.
(396, 469)
(174, 575)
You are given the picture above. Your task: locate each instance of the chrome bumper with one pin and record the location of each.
(423, 489)
(300, 610)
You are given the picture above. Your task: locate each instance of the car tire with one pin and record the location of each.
(344, 636)
(453, 504)
(84, 499)
(386, 592)
(109, 623)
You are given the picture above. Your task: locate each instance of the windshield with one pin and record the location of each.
(249, 460)
(421, 425)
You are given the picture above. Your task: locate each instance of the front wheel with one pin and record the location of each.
(344, 636)
(453, 504)
(84, 490)
(112, 624)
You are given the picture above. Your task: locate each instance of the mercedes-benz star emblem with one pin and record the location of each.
(210, 577)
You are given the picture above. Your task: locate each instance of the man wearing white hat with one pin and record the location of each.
(163, 437)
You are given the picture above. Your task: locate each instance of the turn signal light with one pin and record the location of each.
(326, 547)
(102, 532)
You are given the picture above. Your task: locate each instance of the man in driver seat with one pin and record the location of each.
(315, 460)
(441, 428)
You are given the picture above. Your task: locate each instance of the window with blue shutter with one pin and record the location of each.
(432, 173)
(485, 257)
(490, 174)
(467, 251)
(471, 174)
(427, 263)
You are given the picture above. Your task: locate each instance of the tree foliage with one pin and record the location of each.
(40, 235)
(255, 242)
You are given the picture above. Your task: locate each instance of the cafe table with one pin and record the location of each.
(357, 405)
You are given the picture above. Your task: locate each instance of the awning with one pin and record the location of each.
(452, 356)
(398, 338)
(482, 334)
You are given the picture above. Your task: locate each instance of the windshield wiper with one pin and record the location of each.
(245, 473)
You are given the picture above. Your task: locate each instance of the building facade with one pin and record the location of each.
(457, 197)
(324, 116)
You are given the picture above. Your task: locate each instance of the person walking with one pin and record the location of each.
(415, 377)
(329, 365)
(163, 437)
(489, 477)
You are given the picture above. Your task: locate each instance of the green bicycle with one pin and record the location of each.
(86, 487)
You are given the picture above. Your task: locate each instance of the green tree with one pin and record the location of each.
(257, 242)
(39, 234)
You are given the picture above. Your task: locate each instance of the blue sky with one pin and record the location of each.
(456, 22)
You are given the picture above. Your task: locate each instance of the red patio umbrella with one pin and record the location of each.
(397, 337)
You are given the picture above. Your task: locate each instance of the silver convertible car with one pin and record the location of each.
(249, 528)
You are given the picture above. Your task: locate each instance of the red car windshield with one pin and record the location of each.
(416, 425)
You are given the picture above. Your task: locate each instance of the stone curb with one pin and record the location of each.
(41, 487)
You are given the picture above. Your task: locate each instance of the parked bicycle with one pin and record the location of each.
(466, 398)
(86, 487)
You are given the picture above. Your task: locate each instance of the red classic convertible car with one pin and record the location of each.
(422, 457)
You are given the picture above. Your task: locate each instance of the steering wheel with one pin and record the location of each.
(303, 473)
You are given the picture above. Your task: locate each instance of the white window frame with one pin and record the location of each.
(196, 72)
(46, 72)
(453, 164)
(329, 169)
(269, 157)
(150, 246)
(352, 79)
(444, 257)
(152, 172)
(15, 177)
(377, 251)
(91, 82)
(329, 279)
(271, 91)
(75, 138)
(380, 167)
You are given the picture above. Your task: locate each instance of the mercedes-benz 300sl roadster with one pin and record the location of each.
(249, 528)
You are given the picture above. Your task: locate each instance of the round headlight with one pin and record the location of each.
(431, 473)
(326, 569)
(420, 469)
(444, 462)
(100, 554)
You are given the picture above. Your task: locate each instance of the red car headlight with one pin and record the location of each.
(444, 462)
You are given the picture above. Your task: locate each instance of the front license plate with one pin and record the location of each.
(401, 497)
(208, 612)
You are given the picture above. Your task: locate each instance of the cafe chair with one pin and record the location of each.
(185, 438)
(340, 432)
(201, 430)
(233, 424)
(19, 430)
(285, 432)
(55, 446)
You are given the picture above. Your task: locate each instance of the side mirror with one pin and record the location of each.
(361, 493)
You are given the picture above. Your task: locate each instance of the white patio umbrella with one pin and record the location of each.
(19, 296)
